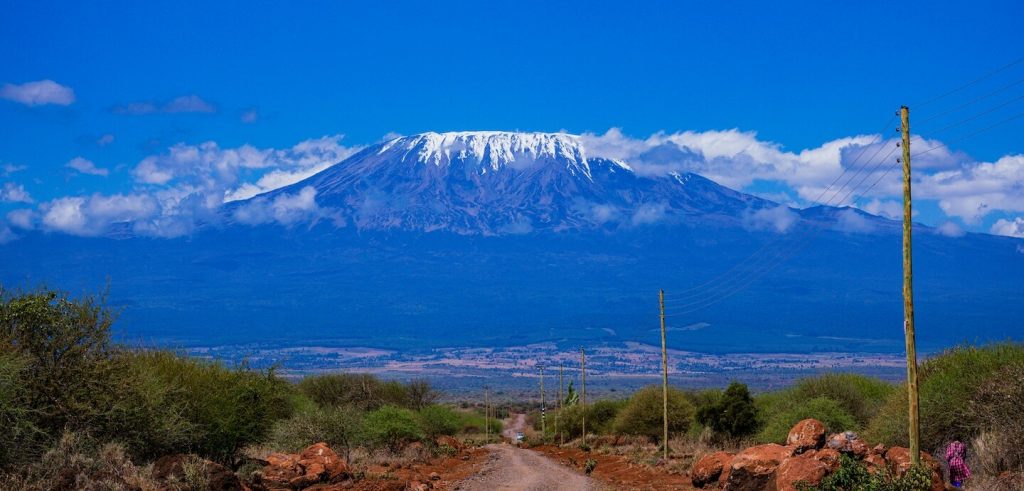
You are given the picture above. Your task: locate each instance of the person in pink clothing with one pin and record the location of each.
(956, 452)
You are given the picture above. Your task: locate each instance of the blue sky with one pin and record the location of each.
(133, 81)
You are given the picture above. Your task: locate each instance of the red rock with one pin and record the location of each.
(826, 456)
(318, 451)
(898, 460)
(799, 469)
(875, 462)
(878, 449)
(447, 441)
(282, 460)
(808, 434)
(709, 468)
(848, 443)
(754, 468)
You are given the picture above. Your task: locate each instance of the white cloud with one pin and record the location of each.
(6, 234)
(86, 166)
(1009, 228)
(285, 209)
(189, 104)
(977, 188)
(852, 222)
(649, 213)
(8, 169)
(14, 193)
(890, 209)
(182, 104)
(93, 215)
(779, 219)
(249, 116)
(38, 93)
(23, 218)
(950, 229)
(105, 140)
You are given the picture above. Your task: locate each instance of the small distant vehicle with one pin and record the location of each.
(519, 437)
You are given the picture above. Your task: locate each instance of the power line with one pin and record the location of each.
(971, 102)
(969, 84)
(978, 115)
(971, 135)
(863, 150)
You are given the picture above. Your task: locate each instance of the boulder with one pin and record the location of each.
(878, 449)
(898, 461)
(848, 443)
(875, 462)
(808, 434)
(754, 468)
(447, 441)
(709, 468)
(827, 456)
(799, 469)
(172, 468)
(316, 464)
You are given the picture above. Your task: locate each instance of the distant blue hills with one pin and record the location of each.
(497, 239)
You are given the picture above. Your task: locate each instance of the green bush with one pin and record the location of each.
(437, 420)
(65, 347)
(643, 414)
(392, 427)
(360, 390)
(473, 422)
(946, 385)
(857, 395)
(852, 475)
(340, 428)
(733, 415)
(21, 439)
(828, 411)
(178, 404)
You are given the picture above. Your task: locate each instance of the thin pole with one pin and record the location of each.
(487, 415)
(543, 413)
(908, 298)
(664, 375)
(583, 391)
(558, 415)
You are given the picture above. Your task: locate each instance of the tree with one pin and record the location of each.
(391, 426)
(420, 394)
(571, 396)
(643, 413)
(734, 414)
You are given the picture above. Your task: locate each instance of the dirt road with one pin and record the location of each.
(515, 423)
(512, 468)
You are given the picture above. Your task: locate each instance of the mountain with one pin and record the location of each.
(496, 238)
(499, 183)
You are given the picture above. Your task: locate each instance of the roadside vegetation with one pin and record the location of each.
(79, 411)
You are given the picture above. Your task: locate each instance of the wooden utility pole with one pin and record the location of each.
(664, 375)
(543, 414)
(908, 297)
(558, 415)
(487, 414)
(583, 391)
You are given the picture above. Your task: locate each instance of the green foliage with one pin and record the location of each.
(178, 404)
(436, 420)
(18, 432)
(392, 427)
(733, 415)
(65, 346)
(828, 411)
(643, 414)
(858, 395)
(996, 405)
(366, 391)
(589, 466)
(473, 422)
(854, 476)
(571, 396)
(339, 427)
(946, 383)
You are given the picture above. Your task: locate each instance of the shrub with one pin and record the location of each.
(734, 415)
(996, 405)
(340, 428)
(65, 346)
(21, 439)
(826, 410)
(852, 475)
(643, 414)
(188, 404)
(392, 427)
(420, 394)
(435, 421)
(360, 390)
(858, 395)
(946, 385)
